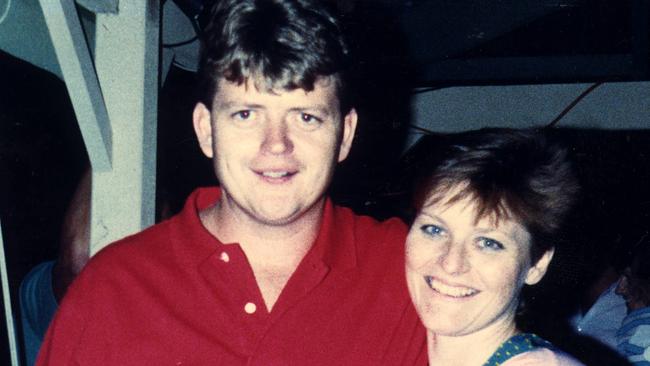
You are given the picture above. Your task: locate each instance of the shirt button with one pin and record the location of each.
(224, 257)
(250, 308)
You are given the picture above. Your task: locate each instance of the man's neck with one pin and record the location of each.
(273, 251)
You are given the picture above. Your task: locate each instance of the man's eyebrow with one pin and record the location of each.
(234, 104)
(321, 109)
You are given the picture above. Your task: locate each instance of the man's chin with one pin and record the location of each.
(283, 217)
(277, 219)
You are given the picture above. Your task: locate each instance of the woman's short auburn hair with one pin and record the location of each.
(515, 174)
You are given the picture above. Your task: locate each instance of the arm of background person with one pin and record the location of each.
(43, 288)
(634, 337)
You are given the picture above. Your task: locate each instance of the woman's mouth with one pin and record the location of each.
(449, 290)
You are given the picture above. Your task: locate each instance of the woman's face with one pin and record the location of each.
(465, 276)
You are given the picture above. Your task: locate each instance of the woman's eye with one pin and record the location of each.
(488, 243)
(432, 230)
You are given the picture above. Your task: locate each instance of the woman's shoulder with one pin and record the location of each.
(543, 356)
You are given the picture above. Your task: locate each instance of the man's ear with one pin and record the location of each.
(538, 270)
(349, 127)
(203, 128)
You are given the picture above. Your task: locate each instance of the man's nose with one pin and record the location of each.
(276, 138)
(454, 258)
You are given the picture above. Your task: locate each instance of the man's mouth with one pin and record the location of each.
(276, 175)
(449, 290)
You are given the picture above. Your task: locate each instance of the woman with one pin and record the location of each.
(487, 217)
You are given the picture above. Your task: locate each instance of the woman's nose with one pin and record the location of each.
(454, 259)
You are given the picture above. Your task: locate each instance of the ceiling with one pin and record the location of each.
(472, 42)
(439, 43)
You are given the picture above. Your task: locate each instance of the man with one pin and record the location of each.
(265, 270)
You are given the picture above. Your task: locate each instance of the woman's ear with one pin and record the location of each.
(538, 270)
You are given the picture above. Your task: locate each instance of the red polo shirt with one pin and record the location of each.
(175, 295)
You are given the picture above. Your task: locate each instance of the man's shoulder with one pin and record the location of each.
(364, 224)
(152, 236)
(143, 260)
(151, 245)
(375, 241)
(157, 240)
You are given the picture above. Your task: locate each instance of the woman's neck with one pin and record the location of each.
(472, 349)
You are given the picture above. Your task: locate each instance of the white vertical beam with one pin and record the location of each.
(9, 319)
(126, 62)
(77, 68)
(118, 121)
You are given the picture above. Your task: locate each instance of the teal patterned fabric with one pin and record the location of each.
(515, 345)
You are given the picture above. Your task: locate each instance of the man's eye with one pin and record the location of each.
(487, 243)
(242, 115)
(432, 230)
(309, 118)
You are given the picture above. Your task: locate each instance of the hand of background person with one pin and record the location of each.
(75, 238)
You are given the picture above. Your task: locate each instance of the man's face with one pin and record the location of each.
(274, 153)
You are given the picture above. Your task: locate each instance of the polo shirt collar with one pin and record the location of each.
(335, 244)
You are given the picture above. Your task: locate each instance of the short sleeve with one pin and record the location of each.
(37, 307)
